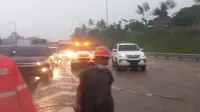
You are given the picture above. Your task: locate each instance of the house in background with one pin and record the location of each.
(162, 21)
(14, 37)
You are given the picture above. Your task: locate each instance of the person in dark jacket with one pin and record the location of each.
(94, 90)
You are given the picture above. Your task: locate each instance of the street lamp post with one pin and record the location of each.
(106, 12)
(15, 26)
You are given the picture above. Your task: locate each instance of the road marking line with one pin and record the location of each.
(65, 87)
(35, 95)
(148, 94)
(66, 109)
(67, 83)
(66, 77)
(73, 76)
(46, 87)
(47, 98)
(198, 76)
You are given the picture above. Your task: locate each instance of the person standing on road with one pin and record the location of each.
(14, 94)
(94, 90)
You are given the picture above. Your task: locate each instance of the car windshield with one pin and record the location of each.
(5, 50)
(128, 48)
(52, 49)
(32, 51)
(63, 51)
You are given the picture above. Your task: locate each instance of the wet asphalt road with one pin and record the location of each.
(166, 86)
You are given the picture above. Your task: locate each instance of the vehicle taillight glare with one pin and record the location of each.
(86, 43)
(69, 54)
(91, 56)
(75, 56)
(38, 63)
(76, 43)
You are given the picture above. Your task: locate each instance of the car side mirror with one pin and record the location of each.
(141, 49)
(114, 50)
(12, 53)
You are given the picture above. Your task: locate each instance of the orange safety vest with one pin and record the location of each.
(14, 94)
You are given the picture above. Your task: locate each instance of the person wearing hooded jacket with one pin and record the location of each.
(14, 94)
(94, 90)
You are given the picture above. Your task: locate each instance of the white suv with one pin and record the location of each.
(128, 55)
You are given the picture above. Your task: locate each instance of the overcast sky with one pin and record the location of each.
(56, 19)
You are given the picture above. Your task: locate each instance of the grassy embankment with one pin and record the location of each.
(162, 41)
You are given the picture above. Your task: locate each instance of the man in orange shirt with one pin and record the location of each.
(14, 94)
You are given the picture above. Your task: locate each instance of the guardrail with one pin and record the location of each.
(174, 55)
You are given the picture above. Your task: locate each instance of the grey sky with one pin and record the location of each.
(56, 19)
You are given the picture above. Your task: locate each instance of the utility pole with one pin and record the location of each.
(106, 12)
(15, 26)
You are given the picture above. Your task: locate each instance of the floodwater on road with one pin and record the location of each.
(166, 86)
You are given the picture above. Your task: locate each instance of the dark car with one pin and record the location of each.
(5, 50)
(32, 60)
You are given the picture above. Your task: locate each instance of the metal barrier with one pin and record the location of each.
(174, 55)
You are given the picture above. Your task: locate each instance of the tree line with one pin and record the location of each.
(119, 31)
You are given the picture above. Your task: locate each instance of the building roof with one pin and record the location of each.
(162, 20)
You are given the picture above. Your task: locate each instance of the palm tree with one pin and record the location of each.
(143, 10)
(132, 20)
(124, 20)
(84, 28)
(163, 8)
(146, 8)
(90, 23)
(196, 1)
(140, 10)
(161, 11)
(101, 25)
(171, 4)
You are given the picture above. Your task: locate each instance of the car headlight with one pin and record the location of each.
(37, 78)
(143, 55)
(122, 55)
(56, 74)
(44, 62)
(44, 69)
(69, 54)
(60, 55)
(91, 56)
(38, 63)
(52, 57)
(75, 55)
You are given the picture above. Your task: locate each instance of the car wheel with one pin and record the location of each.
(113, 63)
(143, 68)
(46, 79)
(118, 67)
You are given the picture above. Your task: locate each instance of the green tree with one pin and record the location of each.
(196, 1)
(162, 10)
(187, 16)
(144, 11)
(84, 28)
(124, 20)
(101, 25)
(90, 23)
(140, 10)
